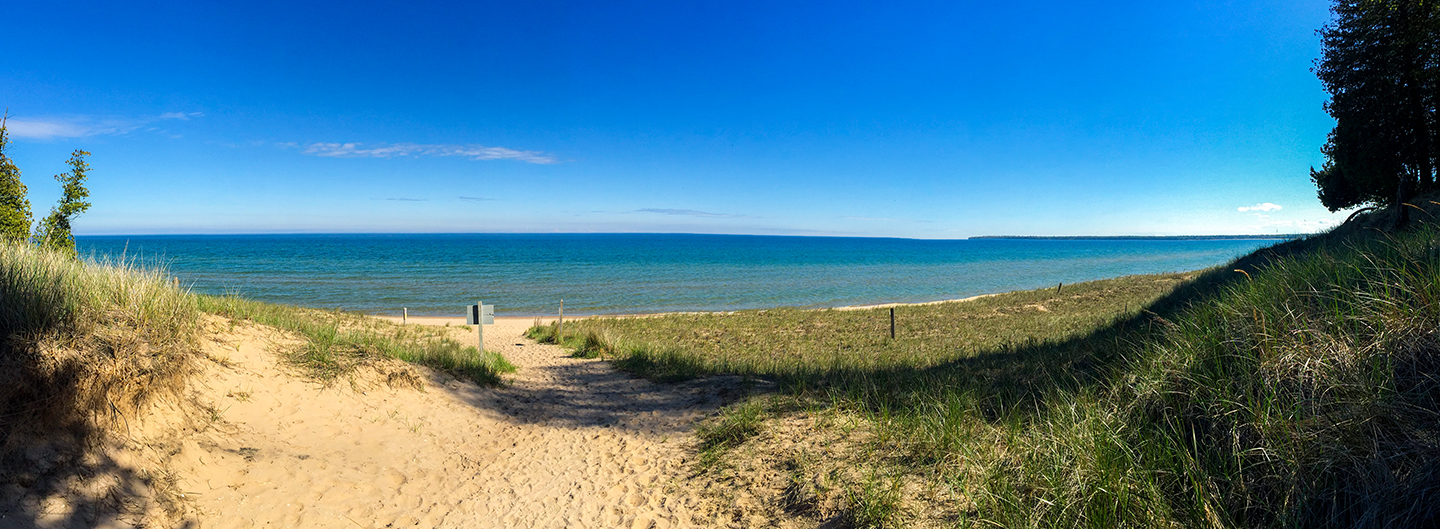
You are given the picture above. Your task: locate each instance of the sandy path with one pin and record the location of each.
(569, 443)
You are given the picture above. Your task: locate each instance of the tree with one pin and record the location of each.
(1381, 65)
(54, 231)
(14, 207)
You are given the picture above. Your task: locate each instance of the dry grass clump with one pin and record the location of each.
(796, 465)
(86, 345)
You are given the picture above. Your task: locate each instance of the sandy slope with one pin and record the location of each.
(569, 443)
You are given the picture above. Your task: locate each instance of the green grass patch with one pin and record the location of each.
(590, 344)
(875, 503)
(336, 342)
(730, 429)
(809, 344)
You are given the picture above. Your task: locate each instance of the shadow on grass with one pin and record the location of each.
(1015, 378)
(1023, 379)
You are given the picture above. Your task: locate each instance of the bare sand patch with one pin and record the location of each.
(566, 443)
(889, 305)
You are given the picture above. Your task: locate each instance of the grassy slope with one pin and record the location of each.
(337, 342)
(1302, 393)
(800, 344)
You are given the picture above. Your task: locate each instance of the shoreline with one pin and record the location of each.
(459, 321)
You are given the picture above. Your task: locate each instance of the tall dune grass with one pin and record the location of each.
(86, 344)
(1308, 395)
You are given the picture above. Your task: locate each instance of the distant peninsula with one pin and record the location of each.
(1284, 236)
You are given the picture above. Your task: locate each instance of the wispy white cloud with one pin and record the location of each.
(478, 199)
(47, 128)
(44, 130)
(1266, 206)
(392, 150)
(883, 219)
(691, 213)
(182, 116)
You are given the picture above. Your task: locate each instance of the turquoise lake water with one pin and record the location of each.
(528, 274)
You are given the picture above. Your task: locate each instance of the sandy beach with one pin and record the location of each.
(890, 305)
(527, 321)
(566, 443)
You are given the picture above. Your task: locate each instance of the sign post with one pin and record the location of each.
(480, 315)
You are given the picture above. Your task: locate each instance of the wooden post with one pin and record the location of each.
(1058, 287)
(892, 323)
(404, 315)
(480, 324)
(560, 323)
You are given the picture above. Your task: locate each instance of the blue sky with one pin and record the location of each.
(928, 120)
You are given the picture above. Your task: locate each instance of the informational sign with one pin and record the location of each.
(480, 315)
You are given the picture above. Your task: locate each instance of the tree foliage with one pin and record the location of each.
(54, 231)
(14, 207)
(1381, 65)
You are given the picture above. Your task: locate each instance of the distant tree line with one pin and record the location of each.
(1381, 66)
(1285, 236)
(54, 230)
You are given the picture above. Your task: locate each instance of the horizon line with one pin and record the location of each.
(1285, 236)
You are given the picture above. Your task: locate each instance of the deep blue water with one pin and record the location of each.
(528, 274)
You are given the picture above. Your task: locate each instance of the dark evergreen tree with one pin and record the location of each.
(1381, 65)
(14, 207)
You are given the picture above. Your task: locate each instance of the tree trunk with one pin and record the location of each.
(1402, 197)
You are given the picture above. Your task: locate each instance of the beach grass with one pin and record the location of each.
(800, 345)
(1295, 387)
(338, 342)
(86, 342)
